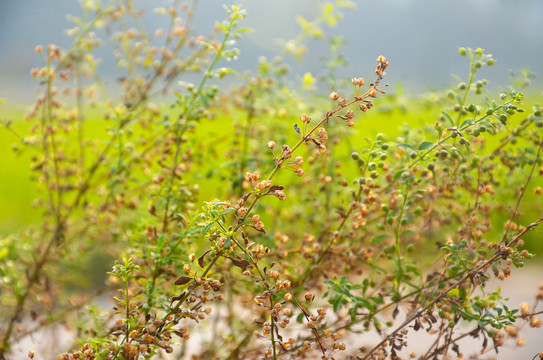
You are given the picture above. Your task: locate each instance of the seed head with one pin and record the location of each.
(334, 95)
(305, 119)
(358, 81)
(524, 308)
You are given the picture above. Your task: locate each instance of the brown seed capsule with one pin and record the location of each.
(524, 308)
(535, 322)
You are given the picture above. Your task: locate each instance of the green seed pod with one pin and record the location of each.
(489, 111)
(490, 62)
(462, 51)
(381, 137)
(374, 175)
(471, 108)
(385, 208)
(372, 166)
(384, 146)
(383, 156)
(430, 166)
(462, 86)
(413, 154)
(355, 155)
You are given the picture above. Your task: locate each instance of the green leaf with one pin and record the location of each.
(408, 233)
(466, 123)
(221, 26)
(448, 117)
(227, 211)
(407, 146)
(454, 293)
(160, 242)
(379, 239)
(242, 30)
(425, 145)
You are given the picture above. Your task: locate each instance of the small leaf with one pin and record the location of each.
(227, 211)
(242, 30)
(454, 293)
(448, 117)
(408, 232)
(379, 239)
(406, 146)
(272, 189)
(182, 280)
(242, 264)
(425, 145)
(201, 259)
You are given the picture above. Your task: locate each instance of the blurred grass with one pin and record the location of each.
(213, 138)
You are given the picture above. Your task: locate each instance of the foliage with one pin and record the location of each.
(315, 243)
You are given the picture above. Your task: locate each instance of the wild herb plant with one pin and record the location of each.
(315, 237)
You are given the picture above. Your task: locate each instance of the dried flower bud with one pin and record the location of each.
(358, 81)
(323, 135)
(535, 322)
(334, 95)
(287, 152)
(524, 308)
(342, 102)
(242, 211)
(280, 195)
(300, 172)
(322, 148)
(271, 144)
(305, 119)
(259, 225)
(299, 160)
(288, 296)
(511, 330)
(255, 218)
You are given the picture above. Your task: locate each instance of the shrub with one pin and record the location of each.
(273, 237)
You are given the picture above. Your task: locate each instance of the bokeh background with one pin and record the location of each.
(419, 37)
